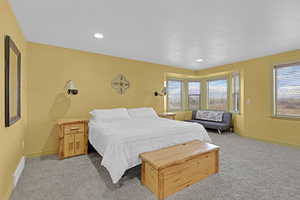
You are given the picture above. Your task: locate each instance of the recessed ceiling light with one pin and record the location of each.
(98, 35)
(199, 60)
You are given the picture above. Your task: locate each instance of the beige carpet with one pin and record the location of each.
(250, 170)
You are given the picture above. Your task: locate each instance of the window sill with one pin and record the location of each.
(236, 113)
(175, 111)
(286, 117)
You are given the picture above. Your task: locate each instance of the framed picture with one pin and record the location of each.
(12, 82)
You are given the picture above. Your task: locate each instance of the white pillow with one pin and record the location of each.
(142, 113)
(110, 114)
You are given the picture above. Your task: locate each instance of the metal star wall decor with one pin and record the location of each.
(120, 84)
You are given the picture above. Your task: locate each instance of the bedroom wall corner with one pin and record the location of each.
(11, 138)
(256, 120)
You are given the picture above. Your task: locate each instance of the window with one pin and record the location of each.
(287, 90)
(236, 92)
(194, 95)
(217, 94)
(174, 95)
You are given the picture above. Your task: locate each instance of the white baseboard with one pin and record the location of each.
(19, 171)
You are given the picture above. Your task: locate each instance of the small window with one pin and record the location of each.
(217, 94)
(236, 92)
(194, 88)
(287, 90)
(174, 95)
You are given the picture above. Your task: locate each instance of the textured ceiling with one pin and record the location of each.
(171, 32)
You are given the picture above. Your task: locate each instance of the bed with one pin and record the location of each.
(120, 135)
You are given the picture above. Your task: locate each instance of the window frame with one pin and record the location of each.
(188, 94)
(207, 92)
(275, 90)
(234, 93)
(181, 95)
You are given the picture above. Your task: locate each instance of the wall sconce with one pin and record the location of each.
(70, 88)
(162, 92)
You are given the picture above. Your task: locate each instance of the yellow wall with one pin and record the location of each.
(11, 139)
(50, 67)
(256, 119)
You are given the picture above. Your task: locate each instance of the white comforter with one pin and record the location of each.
(120, 142)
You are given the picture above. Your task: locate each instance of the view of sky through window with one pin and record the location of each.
(194, 95)
(174, 91)
(217, 94)
(288, 90)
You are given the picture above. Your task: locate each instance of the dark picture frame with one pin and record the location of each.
(12, 92)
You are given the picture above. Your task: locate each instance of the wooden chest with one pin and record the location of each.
(171, 169)
(73, 137)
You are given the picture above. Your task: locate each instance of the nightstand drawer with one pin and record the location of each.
(167, 115)
(74, 128)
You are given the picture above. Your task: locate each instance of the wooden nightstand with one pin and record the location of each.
(73, 137)
(167, 115)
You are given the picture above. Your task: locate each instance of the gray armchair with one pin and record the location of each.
(224, 125)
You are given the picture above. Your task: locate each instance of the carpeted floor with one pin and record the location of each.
(249, 169)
